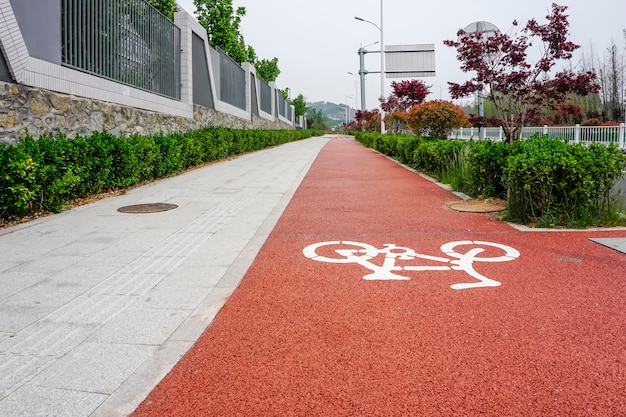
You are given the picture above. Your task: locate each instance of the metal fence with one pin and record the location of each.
(231, 88)
(266, 96)
(127, 41)
(284, 106)
(281, 104)
(576, 134)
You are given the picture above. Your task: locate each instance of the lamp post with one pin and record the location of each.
(382, 64)
(348, 113)
(356, 95)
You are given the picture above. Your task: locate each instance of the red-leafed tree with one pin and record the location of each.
(481, 121)
(368, 119)
(568, 113)
(364, 115)
(405, 94)
(515, 86)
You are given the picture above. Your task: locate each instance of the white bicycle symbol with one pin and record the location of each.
(362, 253)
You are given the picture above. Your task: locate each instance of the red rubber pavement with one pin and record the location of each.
(304, 337)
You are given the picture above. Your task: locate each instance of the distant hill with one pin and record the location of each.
(336, 113)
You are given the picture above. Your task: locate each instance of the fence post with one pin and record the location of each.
(621, 139)
(500, 134)
(249, 85)
(274, 101)
(577, 133)
(545, 129)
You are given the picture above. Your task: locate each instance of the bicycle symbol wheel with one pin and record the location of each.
(362, 252)
(509, 252)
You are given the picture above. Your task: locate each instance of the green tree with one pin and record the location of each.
(221, 22)
(316, 119)
(284, 93)
(167, 7)
(267, 69)
(299, 104)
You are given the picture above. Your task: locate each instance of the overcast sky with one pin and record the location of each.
(316, 41)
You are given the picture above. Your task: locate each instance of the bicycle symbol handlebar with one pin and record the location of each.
(363, 253)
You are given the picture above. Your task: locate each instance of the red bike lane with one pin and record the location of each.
(306, 335)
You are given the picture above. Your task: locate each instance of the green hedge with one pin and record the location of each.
(400, 147)
(428, 155)
(435, 156)
(486, 162)
(547, 182)
(49, 173)
(553, 183)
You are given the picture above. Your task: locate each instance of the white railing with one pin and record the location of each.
(576, 134)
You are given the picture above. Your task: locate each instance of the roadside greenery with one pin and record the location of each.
(49, 173)
(546, 182)
(502, 64)
(299, 104)
(553, 183)
(316, 119)
(267, 69)
(167, 7)
(486, 163)
(436, 118)
(222, 23)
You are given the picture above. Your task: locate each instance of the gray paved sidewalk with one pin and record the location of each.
(96, 306)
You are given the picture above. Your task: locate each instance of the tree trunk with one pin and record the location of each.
(511, 134)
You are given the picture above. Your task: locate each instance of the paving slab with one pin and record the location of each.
(619, 244)
(98, 305)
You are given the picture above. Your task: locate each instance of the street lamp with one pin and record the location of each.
(356, 96)
(348, 114)
(382, 64)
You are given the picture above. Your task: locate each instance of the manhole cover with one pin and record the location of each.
(478, 206)
(147, 208)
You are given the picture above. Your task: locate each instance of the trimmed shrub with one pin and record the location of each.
(436, 118)
(487, 161)
(49, 173)
(553, 183)
(434, 156)
(547, 182)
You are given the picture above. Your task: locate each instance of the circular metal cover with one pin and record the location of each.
(147, 208)
(478, 206)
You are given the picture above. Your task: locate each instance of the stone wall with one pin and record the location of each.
(38, 112)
